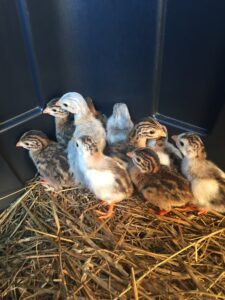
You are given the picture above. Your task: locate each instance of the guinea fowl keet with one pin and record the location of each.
(158, 184)
(86, 124)
(119, 124)
(206, 179)
(168, 154)
(49, 158)
(148, 128)
(105, 177)
(64, 125)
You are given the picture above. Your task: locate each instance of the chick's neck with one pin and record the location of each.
(82, 117)
(136, 174)
(139, 142)
(93, 160)
(59, 122)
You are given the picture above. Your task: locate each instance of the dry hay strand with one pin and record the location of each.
(53, 246)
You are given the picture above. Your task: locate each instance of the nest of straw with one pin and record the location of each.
(53, 246)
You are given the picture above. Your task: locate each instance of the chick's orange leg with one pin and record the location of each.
(47, 184)
(108, 214)
(44, 182)
(192, 207)
(187, 207)
(162, 212)
(202, 211)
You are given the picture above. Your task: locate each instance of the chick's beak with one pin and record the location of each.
(174, 138)
(19, 144)
(130, 154)
(46, 111)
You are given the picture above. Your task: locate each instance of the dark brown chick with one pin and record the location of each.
(157, 183)
(64, 125)
(49, 158)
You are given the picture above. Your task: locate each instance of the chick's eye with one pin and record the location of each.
(54, 110)
(152, 131)
(182, 144)
(138, 159)
(77, 145)
(65, 104)
(26, 143)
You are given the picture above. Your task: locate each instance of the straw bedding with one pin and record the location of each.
(53, 246)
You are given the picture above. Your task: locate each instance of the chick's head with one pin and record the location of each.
(33, 140)
(55, 110)
(86, 146)
(73, 103)
(190, 145)
(145, 159)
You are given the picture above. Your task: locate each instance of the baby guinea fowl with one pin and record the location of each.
(106, 178)
(86, 124)
(157, 183)
(168, 154)
(207, 180)
(148, 128)
(49, 158)
(64, 125)
(119, 124)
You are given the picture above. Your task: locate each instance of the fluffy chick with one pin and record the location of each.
(119, 124)
(86, 124)
(49, 158)
(148, 128)
(106, 178)
(64, 125)
(158, 184)
(168, 154)
(207, 180)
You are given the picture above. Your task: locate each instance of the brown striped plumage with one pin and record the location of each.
(49, 158)
(148, 128)
(146, 160)
(158, 184)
